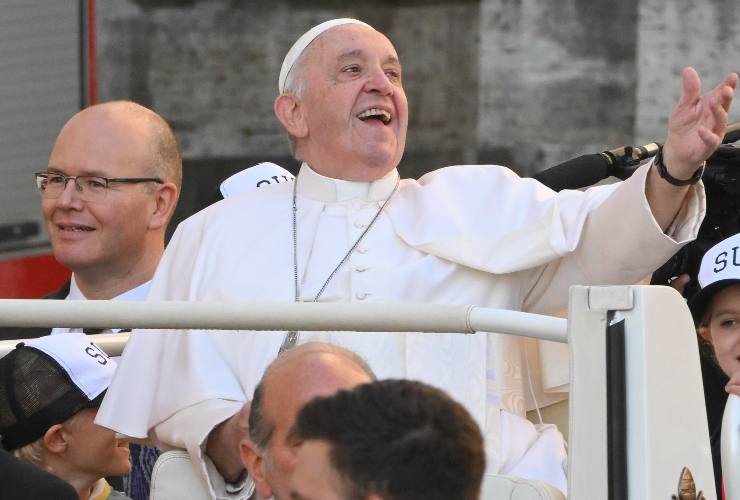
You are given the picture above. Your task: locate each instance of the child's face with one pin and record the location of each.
(94, 449)
(723, 328)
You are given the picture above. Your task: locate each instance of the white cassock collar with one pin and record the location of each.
(325, 189)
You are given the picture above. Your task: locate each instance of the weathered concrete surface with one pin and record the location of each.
(519, 82)
(673, 34)
(211, 69)
(556, 79)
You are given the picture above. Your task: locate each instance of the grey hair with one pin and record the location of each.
(296, 86)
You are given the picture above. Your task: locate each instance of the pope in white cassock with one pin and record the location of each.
(348, 230)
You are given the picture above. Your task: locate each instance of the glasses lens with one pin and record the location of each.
(91, 188)
(86, 187)
(50, 185)
(41, 182)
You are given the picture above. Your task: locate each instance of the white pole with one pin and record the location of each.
(484, 319)
(235, 315)
(276, 316)
(731, 448)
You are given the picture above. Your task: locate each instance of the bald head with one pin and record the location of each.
(297, 376)
(115, 119)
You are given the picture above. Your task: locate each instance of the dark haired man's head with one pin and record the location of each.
(297, 376)
(389, 440)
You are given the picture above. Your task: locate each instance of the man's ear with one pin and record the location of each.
(165, 201)
(54, 439)
(255, 464)
(705, 333)
(290, 113)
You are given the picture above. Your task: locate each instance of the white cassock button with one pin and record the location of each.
(361, 295)
(360, 269)
(361, 249)
(360, 224)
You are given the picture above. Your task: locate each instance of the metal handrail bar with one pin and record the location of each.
(278, 317)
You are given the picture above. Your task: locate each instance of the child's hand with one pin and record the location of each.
(733, 386)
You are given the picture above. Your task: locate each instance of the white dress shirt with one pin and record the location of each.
(138, 293)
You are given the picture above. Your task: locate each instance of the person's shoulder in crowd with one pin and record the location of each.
(22, 481)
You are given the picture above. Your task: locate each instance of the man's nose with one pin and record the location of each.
(378, 81)
(70, 195)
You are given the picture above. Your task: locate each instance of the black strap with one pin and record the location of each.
(663, 172)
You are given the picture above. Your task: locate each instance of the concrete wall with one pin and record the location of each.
(520, 82)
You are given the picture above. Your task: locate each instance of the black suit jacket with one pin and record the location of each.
(22, 481)
(13, 333)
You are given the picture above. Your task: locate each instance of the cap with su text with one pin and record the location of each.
(47, 380)
(720, 267)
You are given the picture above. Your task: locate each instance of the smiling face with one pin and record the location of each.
(722, 328)
(113, 233)
(350, 123)
(94, 450)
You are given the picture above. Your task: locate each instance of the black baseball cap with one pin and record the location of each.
(46, 381)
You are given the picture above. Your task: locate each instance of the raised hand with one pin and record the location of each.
(697, 125)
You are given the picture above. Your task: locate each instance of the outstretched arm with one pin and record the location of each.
(695, 131)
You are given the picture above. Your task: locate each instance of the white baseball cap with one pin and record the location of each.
(720, 267)
(259, 175)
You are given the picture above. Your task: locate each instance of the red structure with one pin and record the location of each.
(31, 277)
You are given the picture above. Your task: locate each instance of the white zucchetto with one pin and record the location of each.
(300, 45)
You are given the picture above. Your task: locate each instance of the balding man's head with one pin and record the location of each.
(108, 192)
(162, 153)
(297, 376)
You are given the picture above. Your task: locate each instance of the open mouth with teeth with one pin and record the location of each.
(75, 229)
(375, 114)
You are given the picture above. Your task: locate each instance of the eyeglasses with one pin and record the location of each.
(88, 187)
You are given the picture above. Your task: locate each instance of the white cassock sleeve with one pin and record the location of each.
(533, 452)
(490, 219)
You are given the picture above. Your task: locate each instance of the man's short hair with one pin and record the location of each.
(165, 153)
(295, 86)
(167, 156)
(399, 439)
(261, 426)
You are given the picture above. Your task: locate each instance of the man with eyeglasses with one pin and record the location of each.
(107, 195)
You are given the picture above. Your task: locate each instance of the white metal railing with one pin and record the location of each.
(309, 317)
(273, 316)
